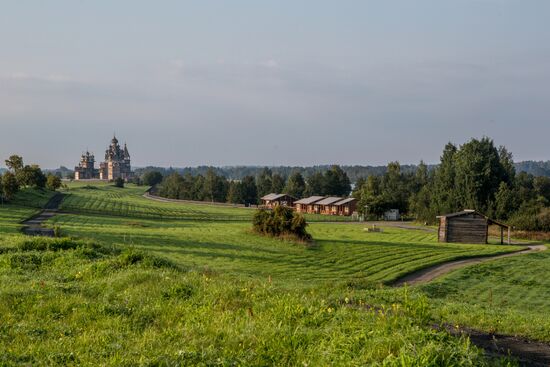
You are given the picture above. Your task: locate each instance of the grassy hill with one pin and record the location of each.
(67, 302)
(220, 238)
(510, 296)
(26, 203)
(140, 282)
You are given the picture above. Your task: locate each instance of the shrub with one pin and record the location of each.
(53, 244)
(133, 257)
(57, 231)
(119, 182)
(532, 219)
(25, 261)
(53, 182)
(280, 222)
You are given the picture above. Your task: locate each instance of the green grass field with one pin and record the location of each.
(25, 204)
(174, 231)
(140, 282)
(67, 302)
(104, 199)
(510, 296)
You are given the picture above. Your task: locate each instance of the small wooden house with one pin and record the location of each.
(308, 205)
(346, 206)
(273, 200)
(327, 207)
(468, 226)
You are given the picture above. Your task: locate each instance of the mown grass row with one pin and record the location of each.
(128, 202)
(339, 251)
(26, 203)
(71, 302)
(510, 296)
(104, 198)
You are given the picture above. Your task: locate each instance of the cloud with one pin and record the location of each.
(271, 63)
(54, 78)
(177, 65)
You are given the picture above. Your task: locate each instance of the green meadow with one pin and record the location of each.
(507, 296)
(140, 282)
(25, 204)
(215, 237)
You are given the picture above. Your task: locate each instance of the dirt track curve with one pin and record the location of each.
(429, 274)
(526, 352)
(33, 226)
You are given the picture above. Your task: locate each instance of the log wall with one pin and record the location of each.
(464, 229)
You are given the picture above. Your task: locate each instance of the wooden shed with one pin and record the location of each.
(468, 226)
(273, 200)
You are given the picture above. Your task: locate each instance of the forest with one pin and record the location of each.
(476, 175)
(354, 172)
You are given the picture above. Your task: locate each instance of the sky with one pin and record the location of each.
(283, 82)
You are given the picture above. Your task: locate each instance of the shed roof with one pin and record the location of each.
(273, 196)
(470, 211)
(309, 200)
(328, 201)
(345, 201)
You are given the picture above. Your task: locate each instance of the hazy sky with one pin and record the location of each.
(272, 82)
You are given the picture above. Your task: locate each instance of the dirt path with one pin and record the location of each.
(527, 352)
(33, 226)
(429, 274)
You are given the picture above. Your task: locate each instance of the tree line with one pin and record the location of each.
(214, 187)
(354, 172)
(238, 173)
(20, 175)
(477, 175)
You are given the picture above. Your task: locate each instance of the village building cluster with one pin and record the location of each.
(313, 204)
(116, 164)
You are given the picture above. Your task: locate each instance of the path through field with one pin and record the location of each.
(429, 274)
(527, 352)
(33, 226)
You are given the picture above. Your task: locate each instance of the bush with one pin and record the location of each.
(57, 231)
(532, 219)
(53, 182)
(53, 244)
(281, 222)
(25, 261)
(134, 257)
(119, 182)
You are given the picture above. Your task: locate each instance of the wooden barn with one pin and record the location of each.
(468, 226)
(307, 205)
(273, 200)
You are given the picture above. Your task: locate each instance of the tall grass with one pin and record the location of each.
(510, 296)
(83, 304)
